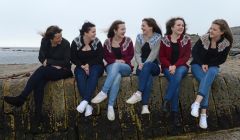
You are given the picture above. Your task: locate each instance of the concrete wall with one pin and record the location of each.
(62, 121)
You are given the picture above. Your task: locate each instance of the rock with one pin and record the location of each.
(63, 121)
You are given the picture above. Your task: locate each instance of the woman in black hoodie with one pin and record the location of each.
(54, 55)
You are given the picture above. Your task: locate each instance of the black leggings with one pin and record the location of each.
(39, 79)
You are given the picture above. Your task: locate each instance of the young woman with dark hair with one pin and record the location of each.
(146, 54)
(54, 55)
(118, 53)
(87, 55)
(175, 50)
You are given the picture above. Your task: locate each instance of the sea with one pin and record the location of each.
(18, 55)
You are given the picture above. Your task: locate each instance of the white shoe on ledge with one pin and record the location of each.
(82, 106)
(99, 97)
(136, 97)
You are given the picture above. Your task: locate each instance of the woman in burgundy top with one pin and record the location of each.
(175, 49)
(118, 53)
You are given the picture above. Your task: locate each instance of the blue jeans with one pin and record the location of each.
(174, 81)
(115, 71)
(205, 80)
(145, 79)
(87, 83)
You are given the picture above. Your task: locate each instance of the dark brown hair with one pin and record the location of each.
(224, 28)
(171, 22)
(51, 31)
(152, 23)
(113, 27)
(86, 27)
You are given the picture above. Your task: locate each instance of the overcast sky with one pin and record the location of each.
(20, 20)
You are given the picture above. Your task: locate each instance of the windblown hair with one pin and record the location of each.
(171, 22)
(152, 23)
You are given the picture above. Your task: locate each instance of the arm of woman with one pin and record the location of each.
(74, 58)
(196, 52)
(221, 57)
(154, 52)
(108, 57)
(162, 55)
(187, 52)
(43, 51)
(138, 53)
(130, 53)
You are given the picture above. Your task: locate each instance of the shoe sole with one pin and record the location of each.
(97, 102)
(133, 102)
(196, 116)
(202, 127)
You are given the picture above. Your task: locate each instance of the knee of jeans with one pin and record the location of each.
(213, 71)
(183, 69)
(114, 67)
(147, 66)
(96, 72)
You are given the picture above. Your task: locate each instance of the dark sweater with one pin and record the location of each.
(175, 53)
(117, 52)
(145, 51)
(203, 54)
(56, 56)
(92, 57)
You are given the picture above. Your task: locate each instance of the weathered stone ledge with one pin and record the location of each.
(62, 121)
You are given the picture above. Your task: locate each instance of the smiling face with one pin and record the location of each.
(57, 39)
(91, 34)
(178, 27)
(146, 29)
(121, 30)
(215, 31)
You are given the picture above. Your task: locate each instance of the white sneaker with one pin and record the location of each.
(88, 111)
(203, 121)
(145, 109)
(99, 97)
(110, 113)
(82, 106)
(136, 97)
(195, 109)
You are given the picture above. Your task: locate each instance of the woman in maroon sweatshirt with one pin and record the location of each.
(118, 53)
(175, 49)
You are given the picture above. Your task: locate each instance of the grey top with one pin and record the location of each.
(154, 43)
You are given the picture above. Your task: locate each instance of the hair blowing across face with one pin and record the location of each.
(152, 23)
(171, 22)
(224, 28)
(51, 31)
(113, 27)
